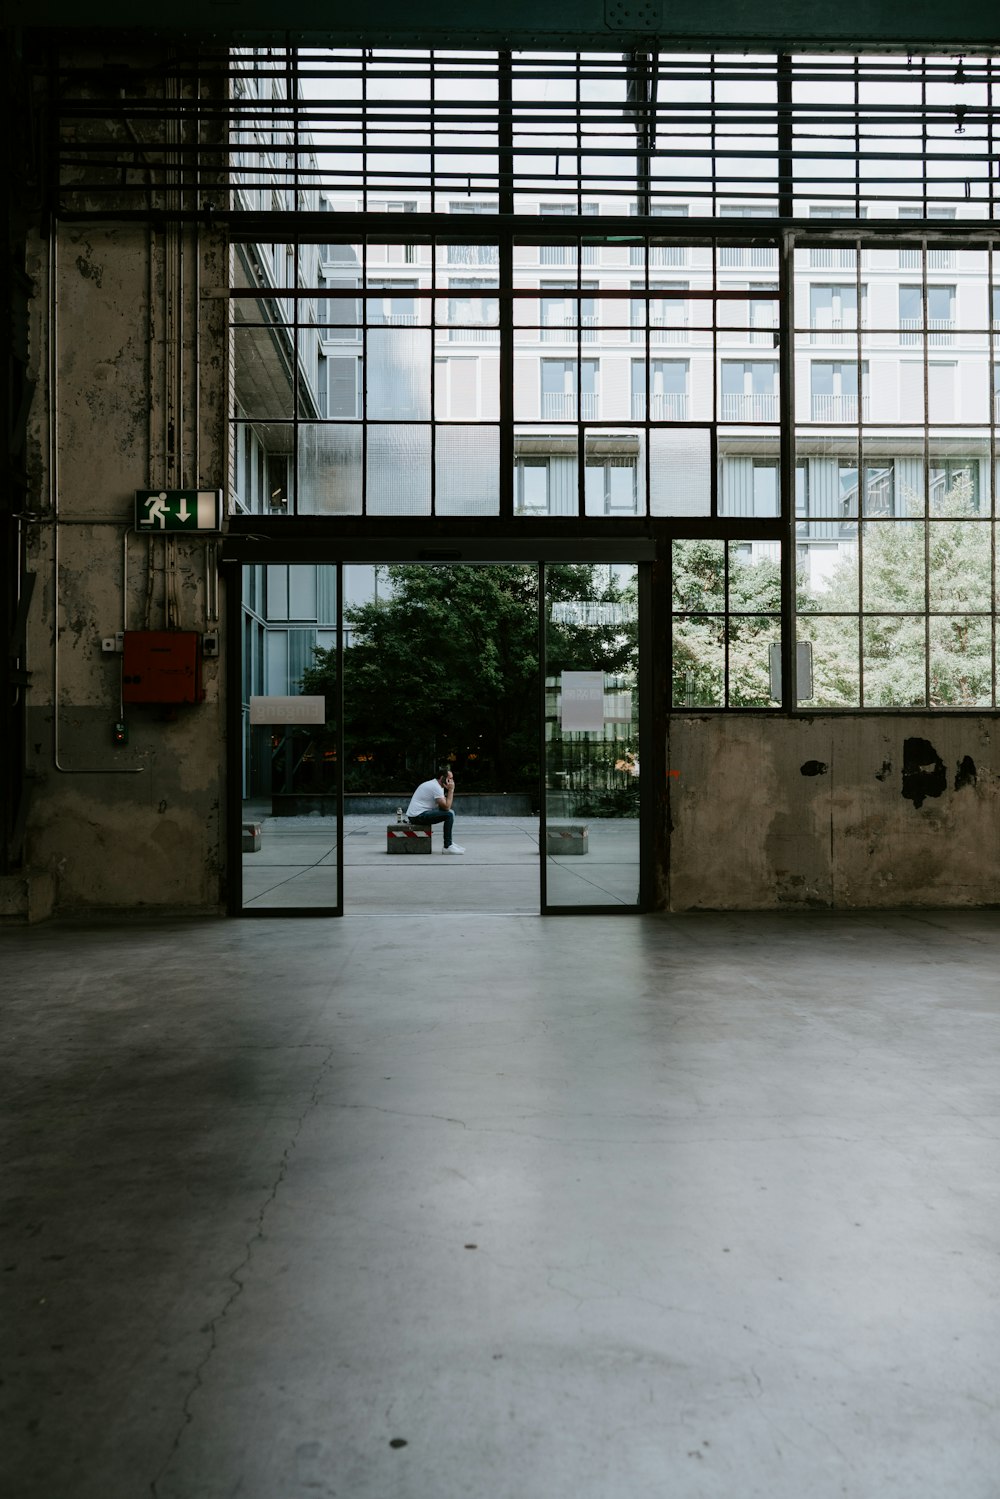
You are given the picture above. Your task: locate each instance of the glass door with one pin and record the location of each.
(290, 813)
(591, 827)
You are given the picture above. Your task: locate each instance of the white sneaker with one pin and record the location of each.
(454, 848)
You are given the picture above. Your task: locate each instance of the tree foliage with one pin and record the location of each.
(702, 587)
(870, 611)
(904, 566)
(444, 666)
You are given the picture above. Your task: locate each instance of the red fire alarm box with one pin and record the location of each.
(161, 666)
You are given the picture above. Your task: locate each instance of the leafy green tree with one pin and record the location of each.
(701, 591)
(445, 666)
(945, 559)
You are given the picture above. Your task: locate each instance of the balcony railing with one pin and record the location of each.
(937, 260)
(664, 406)
(939, 330)
(564, 330)
(560, 406)
(831, 259)
(747, 256)
(750, 408)
(473, 254)
(763, 332)
(838, 408)
(392, 319)
(837, 331)
(485, 334)
(662, 331)
(659, 255)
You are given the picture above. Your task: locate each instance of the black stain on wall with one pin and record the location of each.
(965, 775)
(814, 768)
(885, 772)
(923, 771)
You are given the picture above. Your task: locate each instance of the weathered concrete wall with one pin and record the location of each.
(859, 811)
(131, 395)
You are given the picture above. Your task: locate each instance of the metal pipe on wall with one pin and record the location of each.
(52, 379)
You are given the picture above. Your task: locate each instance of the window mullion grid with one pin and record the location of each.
(433, 301)
(713, 148)
(293, 99)
(505, 284)
(579, 145)
(990, 140)
(433, 321)
(365, 55)
(927, 474)
(857, 149)
(786, 465)
(725, 623)
(990, 291)
(364, 367)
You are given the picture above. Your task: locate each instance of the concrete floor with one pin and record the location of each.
(296, 867)
(699, 1207)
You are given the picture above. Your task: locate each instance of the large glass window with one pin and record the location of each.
(620, 313)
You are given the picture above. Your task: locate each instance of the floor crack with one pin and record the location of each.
(238, 1273)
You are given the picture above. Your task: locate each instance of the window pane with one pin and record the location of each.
(329, 470)
(960, 566)
(399, 374)
(680, 471)
(467, 471)
(893, 566)
(699, 662)
(894, 659)
(835, 661)
(750, 641)
(399, 470)
(699, 584)
(961, 661)
(262, 371)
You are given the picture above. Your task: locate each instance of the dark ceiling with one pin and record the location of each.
(803, 25)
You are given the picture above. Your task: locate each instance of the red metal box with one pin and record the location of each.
(162, 666)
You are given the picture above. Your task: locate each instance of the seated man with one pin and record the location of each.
(431, 803)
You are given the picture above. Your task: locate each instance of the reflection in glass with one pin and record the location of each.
(592, 735)
(290, 770)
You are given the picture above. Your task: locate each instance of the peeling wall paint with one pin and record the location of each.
(755, 825)
(924, 773)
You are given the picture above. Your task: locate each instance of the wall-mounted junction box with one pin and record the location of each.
(162, 666)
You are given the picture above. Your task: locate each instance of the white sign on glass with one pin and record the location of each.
(582, 701)
(283, 710)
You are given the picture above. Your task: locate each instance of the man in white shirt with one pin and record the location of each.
(431, 803)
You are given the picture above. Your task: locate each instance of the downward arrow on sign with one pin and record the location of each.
(183, 514)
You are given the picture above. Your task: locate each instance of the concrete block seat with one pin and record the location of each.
(401, 838)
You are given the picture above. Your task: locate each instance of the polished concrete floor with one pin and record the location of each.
(487, 1207)
(296, 867)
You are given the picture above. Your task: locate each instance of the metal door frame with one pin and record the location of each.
(244, 548)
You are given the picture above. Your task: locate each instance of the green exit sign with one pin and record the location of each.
(178, 510)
